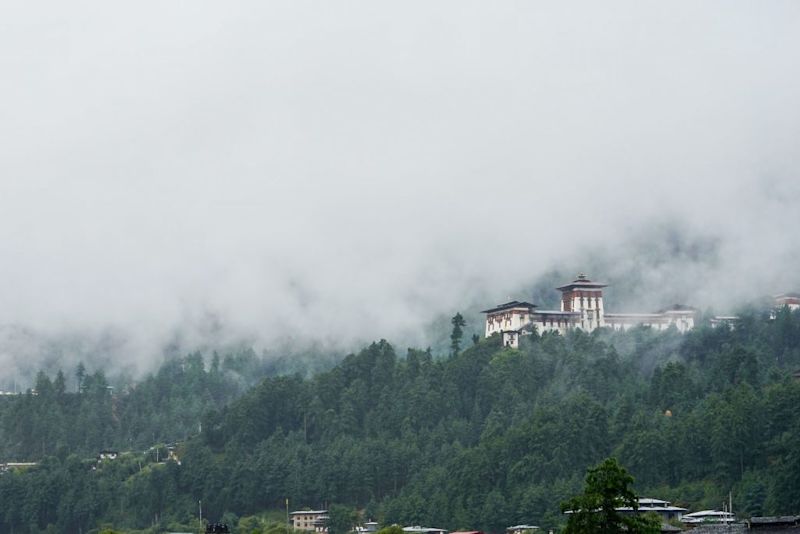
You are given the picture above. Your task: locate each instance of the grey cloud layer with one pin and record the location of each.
(343, 173)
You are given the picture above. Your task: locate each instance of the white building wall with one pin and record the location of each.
(506, 320)
(591, 309)
(683, 321)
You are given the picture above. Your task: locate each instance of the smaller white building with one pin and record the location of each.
(521, 529)
(790, 300)
(367, 528)
(664, 509)
(424, 530)
(724, 320)
(509, 320)
(107, 455)
(708, 516)
(681, 317)
(314, 520)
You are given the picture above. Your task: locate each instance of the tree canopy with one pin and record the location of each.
(596, 510)
(487, 438)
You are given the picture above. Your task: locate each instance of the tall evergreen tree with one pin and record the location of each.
(458, 323)
(595, 510)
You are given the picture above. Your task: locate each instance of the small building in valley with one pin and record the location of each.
(424, 530)
(107, 455)
(790, 300)
(708, 517)
(521, 529)
(367, 528)
(313, 520)
(664, 509)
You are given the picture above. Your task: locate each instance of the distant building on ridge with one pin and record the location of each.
(791, 300)
(581, 307)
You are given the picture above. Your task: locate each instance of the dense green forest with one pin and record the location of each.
(165, 406)
(484, 438)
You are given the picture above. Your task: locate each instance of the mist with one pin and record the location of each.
(199, 175)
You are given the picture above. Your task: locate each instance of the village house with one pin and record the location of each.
(708, 516)
(581, 307)
(424, 530)
(663, 508)
(16, 465)
(521, 529)
(646, 505)
(367, 528)
(107, 455)
(791, 300)
(314, 520)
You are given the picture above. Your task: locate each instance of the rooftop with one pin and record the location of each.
(711, 516)
(581, 282)
(678, 308)
(647, 504)
(510, 305)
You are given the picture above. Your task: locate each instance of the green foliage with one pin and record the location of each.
(342, 519)
(486, 438)
(165, 407)
(392, 529)
(595, 510)
(458, 323)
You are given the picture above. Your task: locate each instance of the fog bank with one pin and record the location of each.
(205, 175)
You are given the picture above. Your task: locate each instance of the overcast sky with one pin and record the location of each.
(349, 171)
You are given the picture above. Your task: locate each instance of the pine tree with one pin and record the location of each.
(458, 332)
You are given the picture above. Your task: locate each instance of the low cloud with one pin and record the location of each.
(208, 175)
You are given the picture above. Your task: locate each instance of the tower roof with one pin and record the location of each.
(581, 282)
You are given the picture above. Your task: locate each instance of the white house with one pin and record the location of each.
(315, 520)
(521, 529)
(107, 455)
(664, 509)
(792, 300)
(708, 516)
(424, 530)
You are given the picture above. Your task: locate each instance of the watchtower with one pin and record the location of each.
(586, 297)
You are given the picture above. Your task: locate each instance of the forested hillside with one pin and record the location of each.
(168, 405)
(486, 438)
